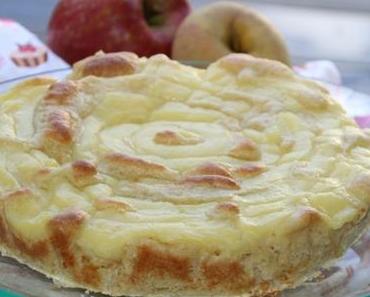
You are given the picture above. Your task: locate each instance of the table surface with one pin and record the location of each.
(338, 30)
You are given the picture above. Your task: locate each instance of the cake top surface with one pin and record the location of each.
(141, 148)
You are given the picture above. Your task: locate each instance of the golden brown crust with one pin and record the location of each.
(61, 93)
(228, 207)
(248, 170)
(168, 137)
(60, 127)
(88, 273)
(211, 181)
(110, 204)
(23, 193)
(121, 165)
(62, 229)
(211, 169)
(57, 122)
(36, 250)
(246, 150)
(3, 234)
(225, 210)
(82, 168)
(150, 262)
(106, 65)
(223, 273)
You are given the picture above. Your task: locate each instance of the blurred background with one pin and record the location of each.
(337, 30)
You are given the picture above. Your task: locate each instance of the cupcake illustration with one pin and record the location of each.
(27, 55)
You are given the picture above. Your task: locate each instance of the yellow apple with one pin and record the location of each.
(222, 28)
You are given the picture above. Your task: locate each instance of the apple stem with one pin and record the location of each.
(153, 13)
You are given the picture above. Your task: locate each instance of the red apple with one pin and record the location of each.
(79, 28)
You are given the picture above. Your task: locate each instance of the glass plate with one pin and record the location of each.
(347, 277)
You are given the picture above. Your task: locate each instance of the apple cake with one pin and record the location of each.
(142, 176)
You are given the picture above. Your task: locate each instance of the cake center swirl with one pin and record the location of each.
(169, 137)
